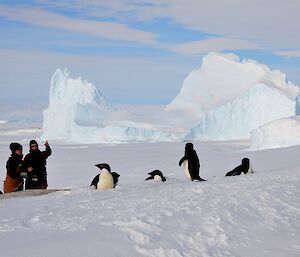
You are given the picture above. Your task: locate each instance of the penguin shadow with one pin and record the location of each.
(106, 179)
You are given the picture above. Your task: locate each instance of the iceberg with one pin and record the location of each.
(227, 98)
(235, 120)
(79, 113)
(224, 99)
(276, 134)
(298, 105)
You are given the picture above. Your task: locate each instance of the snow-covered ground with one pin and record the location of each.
(250, 215)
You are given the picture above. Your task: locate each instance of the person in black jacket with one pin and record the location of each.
(193, 165)
(14, 166)
(245, 168)
(35, 164)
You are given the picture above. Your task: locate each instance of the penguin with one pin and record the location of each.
(115, 175)
(105, 179)
(244, 168)
(191, 164)
(156, 175)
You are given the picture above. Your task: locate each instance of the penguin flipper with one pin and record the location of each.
(95, 181)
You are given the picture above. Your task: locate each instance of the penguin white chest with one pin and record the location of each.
(106, 180)
(185, 165)
(157, 178)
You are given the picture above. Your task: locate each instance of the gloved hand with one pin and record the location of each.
(23, 175)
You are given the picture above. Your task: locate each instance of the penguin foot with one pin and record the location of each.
(199, 180)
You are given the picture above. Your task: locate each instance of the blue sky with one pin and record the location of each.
(137, 52)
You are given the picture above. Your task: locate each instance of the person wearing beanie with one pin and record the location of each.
(35, 166)
(14, 166)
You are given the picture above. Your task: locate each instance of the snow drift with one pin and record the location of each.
(279, 133)
(78, 112)
(229, 97)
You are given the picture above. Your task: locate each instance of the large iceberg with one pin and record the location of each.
(78, 112)
(222, 100)
(229, 98)
(276, 134)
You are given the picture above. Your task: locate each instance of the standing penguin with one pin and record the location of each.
(191, 163)
(105, 179)
(156, 175)
(245, 168)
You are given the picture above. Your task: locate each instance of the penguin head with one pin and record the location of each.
(103, 166)
(189, 147)
(246, 163)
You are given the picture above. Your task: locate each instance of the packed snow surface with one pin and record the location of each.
(248, 215)
(279, 133)
(229, 97)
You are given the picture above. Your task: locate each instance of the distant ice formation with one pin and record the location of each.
(235, 120)
(279, 133)
(224, 99)
(78, 112)
(229, 98)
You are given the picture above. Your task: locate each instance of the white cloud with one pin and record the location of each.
(118, 9)
(269, 24)
(116, 31)
(47, 19)
(213, 44)
(274, 24)
(289, 54)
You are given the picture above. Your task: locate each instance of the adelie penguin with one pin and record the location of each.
(106, 179)
(191, 164)
(156, 175)
(244, 168)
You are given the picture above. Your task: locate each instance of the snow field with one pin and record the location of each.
(248, 215)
